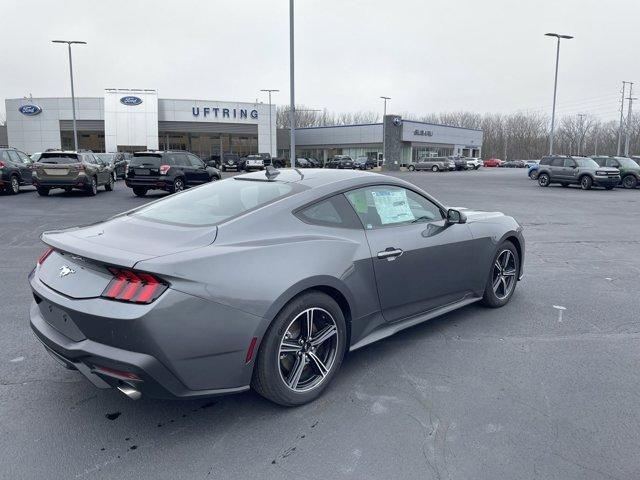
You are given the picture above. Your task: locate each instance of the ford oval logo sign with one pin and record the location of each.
(29, 110)
(131, 100)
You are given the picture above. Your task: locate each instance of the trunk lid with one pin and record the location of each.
(126, 240)
(58, 166)
(147, 165)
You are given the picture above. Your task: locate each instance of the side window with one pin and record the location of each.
(180, 159)
(612, 162)
(386, 205)
(195, 161)
(332, 212)
(569, 162)
(557, 162)
(13, 156)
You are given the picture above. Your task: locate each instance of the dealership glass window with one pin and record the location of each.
(87, 140)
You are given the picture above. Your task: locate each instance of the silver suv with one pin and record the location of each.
(582, 171)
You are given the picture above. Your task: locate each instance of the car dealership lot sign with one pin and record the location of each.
(30, 110)
(217, 112)
(131, 100)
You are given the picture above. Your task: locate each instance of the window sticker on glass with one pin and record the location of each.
(392, 206)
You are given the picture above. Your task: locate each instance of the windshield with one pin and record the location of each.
(105, 157)
(215, 202)
(150, 160)
(586, 162)
(626, 162)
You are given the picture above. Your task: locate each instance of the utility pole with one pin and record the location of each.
(73, 95)
(384, 129)
(270, 90)
(631, 99)
(624, 85)
(581, 137)
(555, 86)
(292, 108)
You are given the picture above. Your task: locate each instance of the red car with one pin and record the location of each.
(492, 162)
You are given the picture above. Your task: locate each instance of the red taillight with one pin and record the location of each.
(250, 350)
(133, 287)
(112, 372)
(45, 255)
(164, 169)
(2, 165)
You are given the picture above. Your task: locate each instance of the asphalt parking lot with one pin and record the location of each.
(545, 387)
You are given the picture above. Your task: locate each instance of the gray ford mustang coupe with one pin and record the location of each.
(264, 280)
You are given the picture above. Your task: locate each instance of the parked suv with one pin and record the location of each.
(253, 162)
(434, 164)
(582, 171)
(232, 161)
(474, 163)
(69, 170)
(171, 171)
(15, 170)
(629, 170)
(118, 161)
(340, 161)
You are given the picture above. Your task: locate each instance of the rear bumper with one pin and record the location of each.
(79, 182)
(150, 183)
(168, 355)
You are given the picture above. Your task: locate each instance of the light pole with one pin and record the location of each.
(269, 90)
(555, 87)
(73, 96)
(292, 109)
(384, 128)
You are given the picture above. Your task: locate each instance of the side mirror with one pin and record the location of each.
(455, 216)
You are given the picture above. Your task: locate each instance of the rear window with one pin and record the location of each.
(59, 158)
(216, 202)
(146, 160)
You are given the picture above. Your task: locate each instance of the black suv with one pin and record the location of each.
(567, 170)
(340, 162)
(232, 161)
(15, 170)
(171, 171)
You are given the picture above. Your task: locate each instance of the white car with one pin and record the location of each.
(475, 163)
(254, 162)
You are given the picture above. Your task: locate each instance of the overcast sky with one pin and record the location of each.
(428, 56)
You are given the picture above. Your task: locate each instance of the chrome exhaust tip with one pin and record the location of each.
(130, 392)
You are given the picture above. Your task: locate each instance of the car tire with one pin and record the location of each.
(43, 191)
(92, 188)
(223, 168)
(114, 176)
(503, 276)
(139, 191)
(108, 187)
(435, 168)
(178, 185)
(544, 180)
(274, 374)
(411, 168)
(586, 182)
(533, 175)
(630, 181)
(14, 185)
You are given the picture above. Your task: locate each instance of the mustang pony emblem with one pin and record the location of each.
(64, 271)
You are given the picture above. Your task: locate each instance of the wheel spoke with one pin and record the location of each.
(288, 346)
(320, 366)
(496, 284)
(509, 273)
(505, 262)
(503, 281)
(296, 372)
(309, 324)
(323, 335)
(497, 265)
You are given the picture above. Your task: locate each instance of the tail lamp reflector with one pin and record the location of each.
(45, 255)
(133, 287)
(164, 169)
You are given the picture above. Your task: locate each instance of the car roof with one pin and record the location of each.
(318, 177)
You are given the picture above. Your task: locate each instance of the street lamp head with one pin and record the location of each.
(558, 36)
(386, 98)
(269, 90)
(69, 42)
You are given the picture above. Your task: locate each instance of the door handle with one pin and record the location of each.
(390, 254)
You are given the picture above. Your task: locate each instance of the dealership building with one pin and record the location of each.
(136, 119)
(404, 141)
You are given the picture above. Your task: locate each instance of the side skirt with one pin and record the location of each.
(387, 330)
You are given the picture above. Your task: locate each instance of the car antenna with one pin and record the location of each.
(299, 173)
(271, 172)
